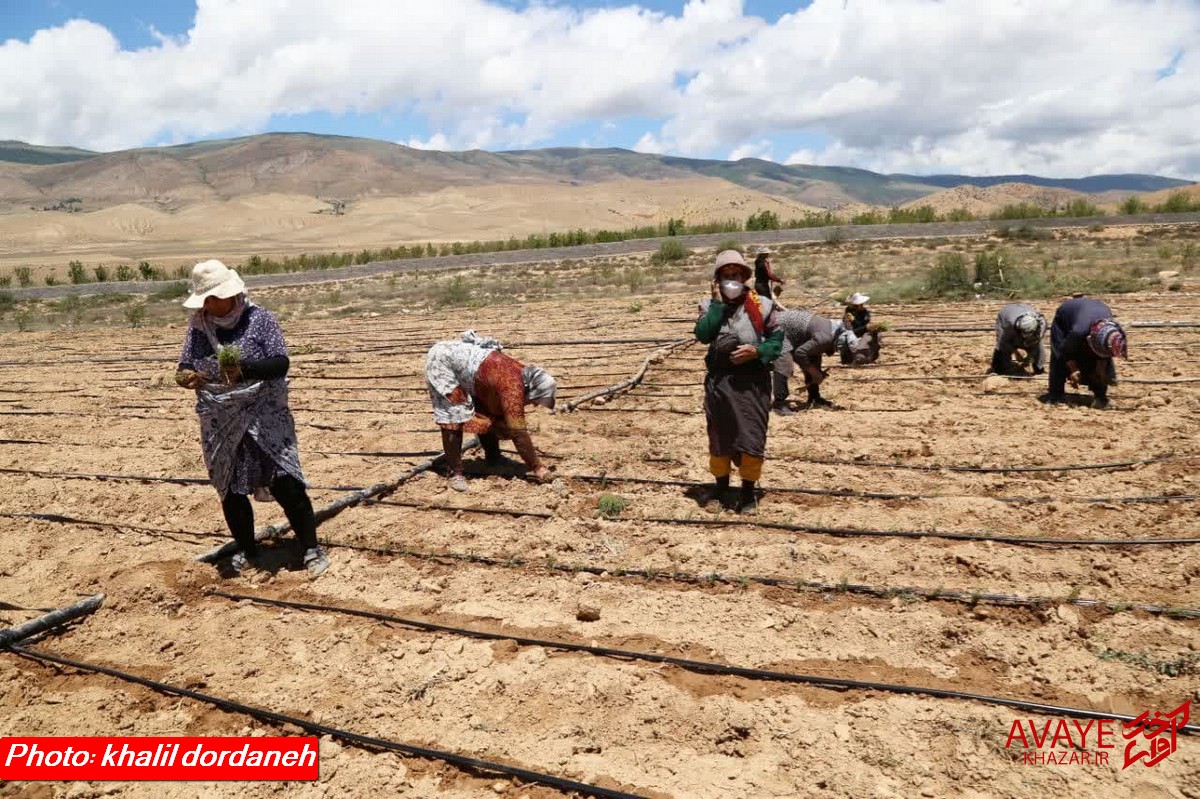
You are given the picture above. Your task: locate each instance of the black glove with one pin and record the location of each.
(265, 368)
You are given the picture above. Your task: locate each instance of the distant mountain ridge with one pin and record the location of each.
(18, 152)
(353, 168)
(1094, 184)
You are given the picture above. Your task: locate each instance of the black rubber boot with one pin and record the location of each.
(747, 502)
(815, 400)
(719, 491)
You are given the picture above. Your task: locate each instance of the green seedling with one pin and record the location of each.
(229, 357)
(611, 506)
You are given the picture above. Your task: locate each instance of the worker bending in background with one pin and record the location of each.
(806, 337)
(1019, 332)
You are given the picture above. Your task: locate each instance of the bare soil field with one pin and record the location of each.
(911, 450)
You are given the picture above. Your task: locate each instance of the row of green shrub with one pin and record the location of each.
(1177, 202)
(997, 274)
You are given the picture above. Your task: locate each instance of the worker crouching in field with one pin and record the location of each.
(235, 359)
(806, 337)
(1084, 340)
(743, 339)
(857, 337)
(478, 389)
(1019, 331)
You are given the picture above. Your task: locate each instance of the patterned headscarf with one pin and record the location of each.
(1031, 326)
(540, 386)
(1107, 339)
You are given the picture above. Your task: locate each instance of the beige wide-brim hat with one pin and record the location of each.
(857, 299)
(212, 279)
(728, 257)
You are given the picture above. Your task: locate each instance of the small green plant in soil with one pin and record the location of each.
(1186, 664)
(611, 506)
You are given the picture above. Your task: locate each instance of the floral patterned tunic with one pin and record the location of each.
(247, 431)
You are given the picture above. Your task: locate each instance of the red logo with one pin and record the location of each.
(1068, 743)
(1158, 731)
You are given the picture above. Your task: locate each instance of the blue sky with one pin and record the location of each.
(920, 86)
(138, 23)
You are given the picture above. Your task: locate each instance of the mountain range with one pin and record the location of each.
(348, 168)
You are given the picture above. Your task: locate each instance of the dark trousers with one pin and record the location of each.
(1090, 369)
(781, 388)
(1000, 362)
(291, 496)
(491, 447)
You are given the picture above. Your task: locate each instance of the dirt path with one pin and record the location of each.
(632, 246)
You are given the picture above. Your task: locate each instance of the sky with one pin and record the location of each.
(1056, 88)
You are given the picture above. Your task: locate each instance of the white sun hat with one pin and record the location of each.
(212, 279)
(763, 251)
(858, 299)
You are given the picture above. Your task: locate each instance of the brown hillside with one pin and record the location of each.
(279, 223)
(983, 200)
(1154, 198)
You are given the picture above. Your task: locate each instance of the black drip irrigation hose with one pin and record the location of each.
(704, 667)
(479, 511)
(970, 598)
(59, 518)
(1116, 465)
(853, 494)
(849, 532)
(840, 532)
(83, 415)
(370, 743)
(139, 478)
(135, 478)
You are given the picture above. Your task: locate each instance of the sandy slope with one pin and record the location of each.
(983, 200)
(288, 223)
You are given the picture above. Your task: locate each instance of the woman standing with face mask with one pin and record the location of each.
(246, 426)
(743, 339)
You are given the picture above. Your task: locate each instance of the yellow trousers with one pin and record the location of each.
(750, 467)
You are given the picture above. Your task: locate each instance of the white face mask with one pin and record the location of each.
(732, 289)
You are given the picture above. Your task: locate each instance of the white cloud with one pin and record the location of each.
(976, 86)
(437, 141)
(758, 149)
(648, 144)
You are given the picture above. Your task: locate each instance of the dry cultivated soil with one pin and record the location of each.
(101, 401)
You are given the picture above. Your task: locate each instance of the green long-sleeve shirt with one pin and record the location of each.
(708, 327)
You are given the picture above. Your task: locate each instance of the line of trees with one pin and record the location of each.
(1176, 202)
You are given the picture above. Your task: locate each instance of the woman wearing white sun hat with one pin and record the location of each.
(857, 338)
(246, 426)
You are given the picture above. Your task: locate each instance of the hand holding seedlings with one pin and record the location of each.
(187, 378)
(1073, 374)
(229, 359)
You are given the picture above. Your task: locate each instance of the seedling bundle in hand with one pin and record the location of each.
(229, 357)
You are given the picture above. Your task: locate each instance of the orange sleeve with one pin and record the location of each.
(512, 402)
